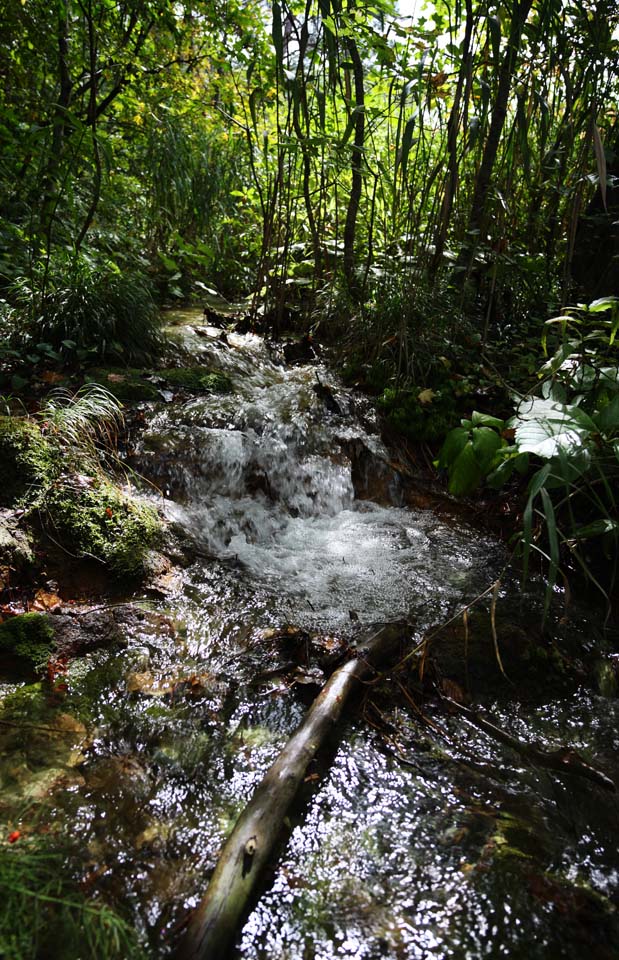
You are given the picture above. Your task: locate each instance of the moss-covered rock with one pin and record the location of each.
(129, 385)
(27, 462)
(101, 522)
(197, 379)
(29, 636)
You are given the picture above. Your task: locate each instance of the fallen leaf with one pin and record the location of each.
(46, 600)
(426, 396)
(51, 376)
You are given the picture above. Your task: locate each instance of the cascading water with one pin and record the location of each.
(264, 478)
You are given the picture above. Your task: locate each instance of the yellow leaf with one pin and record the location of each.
(426, 396)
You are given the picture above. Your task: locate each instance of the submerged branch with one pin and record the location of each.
(563, 759)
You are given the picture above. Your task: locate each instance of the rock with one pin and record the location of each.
(15, 550)
(81, 630)
(155, 836)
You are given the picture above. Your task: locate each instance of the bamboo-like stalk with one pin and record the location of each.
(215, 921)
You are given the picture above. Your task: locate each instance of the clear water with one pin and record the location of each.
(463, 851)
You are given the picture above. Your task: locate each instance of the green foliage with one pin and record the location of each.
(45, 914)
(28, 636)
(95, 519)
(53, 468)
(471, 451)
(417, 420)
(573, 431)
(79, 310)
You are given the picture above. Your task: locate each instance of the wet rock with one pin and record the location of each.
(120, 775)
(155, 837)
(16, 553)
(299, 351)
(145, 683)
(373, 478)
(77, 631)
(139, 658)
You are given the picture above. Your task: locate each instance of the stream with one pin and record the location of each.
(303, 535)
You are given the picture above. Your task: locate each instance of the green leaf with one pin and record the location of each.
(565, 350)
(537, 482)
(465, 473)
(278, 39)
(485, 420)
(407, 142)
(597, 529)
(452, 447)
(495, 36)
(553, 541)
(502, 473)
(604, 303)
(544, 427)
(486, 444)
(607, 419)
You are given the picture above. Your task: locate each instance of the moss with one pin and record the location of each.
(26, 460)
(28, 636)
(101, 522)
(199, 379)
(129, 385)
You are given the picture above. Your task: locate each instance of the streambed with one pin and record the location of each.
(461, 851)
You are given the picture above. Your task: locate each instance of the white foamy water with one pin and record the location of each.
(264, 478)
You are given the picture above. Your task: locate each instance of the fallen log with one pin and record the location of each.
(214, 923)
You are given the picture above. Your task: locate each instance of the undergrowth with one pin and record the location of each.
(52, 469)
(45, 915)
(77, 310)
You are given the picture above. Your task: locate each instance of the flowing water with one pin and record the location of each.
(443, 847)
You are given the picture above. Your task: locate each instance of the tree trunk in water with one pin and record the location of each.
(215, 921)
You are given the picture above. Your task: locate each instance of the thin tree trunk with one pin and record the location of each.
(350, 227)
(215, 921)
(49, 188)
(92, 120)
(453, 127)
(477, 216)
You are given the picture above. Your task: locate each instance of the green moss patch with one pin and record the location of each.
(28, 636)
(197, 379)
(26, 460)
(101, 522)
(129, 385)
(132, 384)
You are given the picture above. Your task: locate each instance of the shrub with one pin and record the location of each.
(87, 311)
